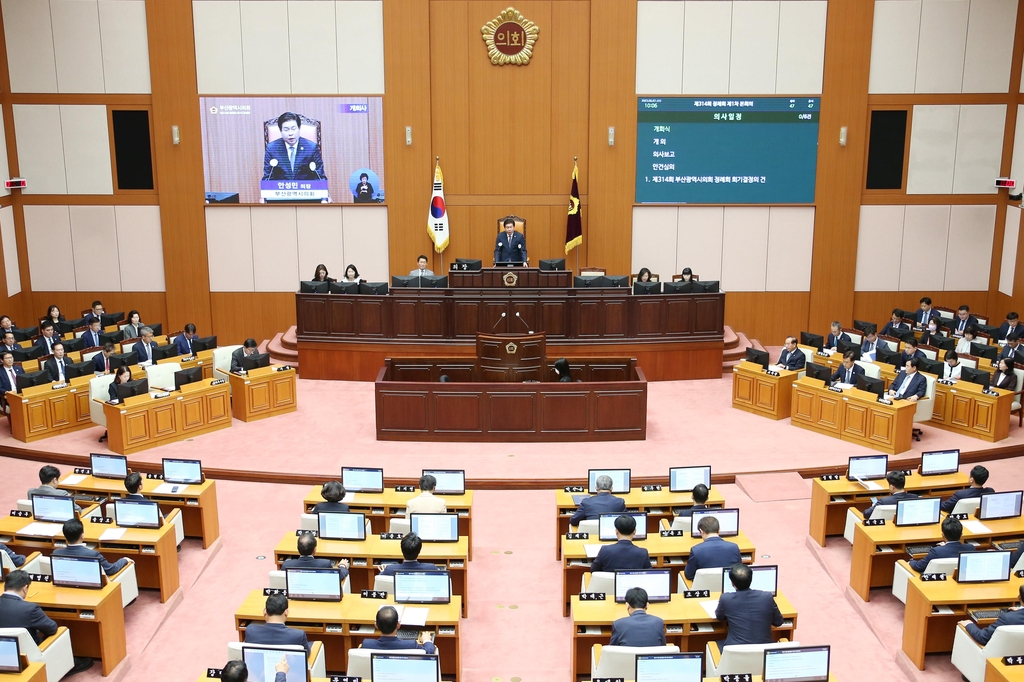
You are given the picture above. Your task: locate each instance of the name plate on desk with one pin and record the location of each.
(101, 519)
(592, 596)
(960, 517)
(405, 489)
(830, 477)
(673, 533)
(302, 531)
(215, 673)
(696, 594)
(373, 594)
(933, 577)
(21, 514)
(268, 591)
(772, 373)
(83, 471)
(1018, 574)
(57, 387)
(40, 578)
(874, 522)
(391, 536)
(282, 368)
(1013, 660)
(884, 401)
(155, 477)
(577, 536)
(946, 382)
(835, 389)
(574, 489)
(737, 677)
(607, 679)
(218, 382)
(651, 488)
(344, 678)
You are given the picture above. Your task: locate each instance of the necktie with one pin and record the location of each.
(905, 386)
(106, 363)
(14, 378)
(849, 379)
(291, 157)
(60, 369)
(961, 326)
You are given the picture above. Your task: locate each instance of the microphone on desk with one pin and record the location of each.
(498, 322)
(273, 167)
(524, 323)
(312, 167)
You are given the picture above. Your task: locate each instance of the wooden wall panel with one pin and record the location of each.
(238, 316)
(768, 317)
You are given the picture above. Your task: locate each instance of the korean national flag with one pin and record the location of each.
(437, 221)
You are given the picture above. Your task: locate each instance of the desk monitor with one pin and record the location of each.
(468, 264)
(983, 350)
(1000, 505)
(813, 340)
(110, 319)
(313, 584)
(158, 328)
(434, 282)
(871, 384)
(680, 287)
(816, 371)
(889, 357)
(620, 480)
(205, 343)
(449, 481)
(255, 361)
(617, 280)
(342, 525)
(74, 344)
(53, 508)
(975, 376)
(797, 664)
(187, 471)
(362, 480)
(422, 587)
(373, 288)
(938, 462)
(606, 525)
(944, 342)
(669, 668)
(76, 571)
(728, 521)
(758, 357)
(403, 281)
(552, 264)
(843, 346)
(136, 513)
(314, 287)
(164, 352)
(657, 582)
(592, 282)
(261, 662)
(108, 466)
(344, 287)
(132, 388)
(119, 359)
(929, 366)
(865, 327)
(30, 379)
(30, 353)
(79, 369)
(920, 512)
(983, 567)
(709, 286)
(435, 527)
(765, 578)
(867, 467)
(398, 667)
(683, 479)
(10, 655)
(189, 375)
(646, 288)
(25, 333)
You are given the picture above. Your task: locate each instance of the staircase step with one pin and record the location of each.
(730, 338)
(733, 356)
(280, 353)
(289, 340)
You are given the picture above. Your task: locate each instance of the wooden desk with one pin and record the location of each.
(203, 358)
(525, 277)
(997, 671)
(42, 411)
(94, 617)
(872, 566)
(853, 415)
(143, 422)
(197, 503)
(926, 632)
(154, 552)
(670, 553)
(595, 618)
(344, 625)
(364, 558)
(33, 672)
(831, 499)
(964, 409)
(263, 392)
(755, 391)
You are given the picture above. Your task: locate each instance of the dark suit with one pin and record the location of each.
(47, 344)
(5, 378)
(236, 360)
(311, 562)
(99, 363)
(946, 551)
(592, 507)
(144, 352)
(750, 615)
(413, 565)
(1000, 380)
(306, 151)
(50, 490)
(713, 552)
(15, 612)
(392, 643)
(1016, 353)
(275, 633)
(793, 360)
(55, 371)
(921, 317)
(1004, 329)
(364, 193)
(91, 340)
(890, 500)
(638, 629)
(83, 551)
(112, 390)
(982, 637)
(918, 384)
(832, 341)
(688, 511)
(899, 328)
(960, 326)
(966, 493)
(622, 556)
(506, 253)
(847, 376)
(183, 345)
(927, 337)
(15, 558)
(868, 350)
(904, 357)
(330, 507)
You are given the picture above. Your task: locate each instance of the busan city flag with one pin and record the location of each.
(437, 223)
(574, 223)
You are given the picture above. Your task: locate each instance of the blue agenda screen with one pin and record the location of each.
(735, 150)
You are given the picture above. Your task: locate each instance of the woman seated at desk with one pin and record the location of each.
(53, 315)
(686, 275)
(933, 331)
(351, 275)
(562, 369)
(644, 275)
(963, 346)
(133, 329)
(1004, 376)
(951, 367)
(321, 274)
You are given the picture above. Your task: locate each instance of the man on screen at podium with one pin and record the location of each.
(291, 156)
(510, 246)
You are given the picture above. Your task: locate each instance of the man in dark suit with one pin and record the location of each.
(144, 347)
(387, 623)
(8, 342)
(700, 498)
(897, 480)
(16, 612)
(411, 546)
(183, 341)
(869, 347)
(895, 326)
(57, 365)
(47, 336)
(291, 156)
(952, 530)
(926, 312)
(978, 479)
(911, 351)
(306, 544)
(713, 551)
(15, 558)
(249, 347)
(835, 335)
(1012, 349)
(848, 372)
(101, 361)
(73, 530)
(91, 336)
(1012, 324)
(964, 319)
(274, 630)
(602, 503)
(623, 555)
(510, 246)
(1013, 616)
(10, 372)
(909, 384)
(96, 313)
(132, 485)
(639, 628)
(792, 358)
(750, 614)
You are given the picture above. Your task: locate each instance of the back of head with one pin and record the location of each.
(277, 604)
(333, 491)
(16, 580)
(411, 546)
(740, 575)
(603, 482)
(72, 530)
(48, 473)
(708, 525)
(979, 474)
(235, 671)
(625, 525)
(306, 544)
(700, 493)
(132, 482)
(427, 482)
(636, 597)
(896, 479)
(952, 529)
(387, 620)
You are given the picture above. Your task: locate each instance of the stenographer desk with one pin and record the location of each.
(94, 617)
(50, 410)
(756, 391)
(344, 625)
(263, 392)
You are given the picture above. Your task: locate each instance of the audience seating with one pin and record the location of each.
(969, 656)
(870, 369)
(925, 406)
(31, 565)
(315, 661)
(54, 651)
(901, 576)
(359, 661)
(620, 661)
(739, 659)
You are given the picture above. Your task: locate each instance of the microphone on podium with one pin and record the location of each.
(498, 322)
(312, 167)
(273, 167)
(530, 331)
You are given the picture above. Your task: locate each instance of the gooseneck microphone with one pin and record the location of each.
(498, 322)
(273, 167)
(312, 167)
(524, 323)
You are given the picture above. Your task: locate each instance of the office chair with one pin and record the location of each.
(969, 657)
(902, 573)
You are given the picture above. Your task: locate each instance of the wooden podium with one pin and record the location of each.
(510, 357)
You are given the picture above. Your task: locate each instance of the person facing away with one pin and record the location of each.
(387, 624)
(602, 503)
(750, 614)
(712, 551)
(1013, 616)
(976, 488)
(411, 546)
(897, 481)
(700, 499)
(426, 502)
(49, 476)
(638, 628)
(333, 493)
(274, 630)
(306, 544)
(623, 555)
(73, 531)
(952, 530)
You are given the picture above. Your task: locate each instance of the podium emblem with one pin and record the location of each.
(510, 279)
(510, 38)
(511, 348)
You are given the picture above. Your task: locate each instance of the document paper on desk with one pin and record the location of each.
(112, 534)
(870, 485)
(711, 605)
(169, 488)
(977, 527)
(73, 479)
(45, 529)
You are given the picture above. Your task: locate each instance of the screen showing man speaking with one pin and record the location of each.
(293, 149)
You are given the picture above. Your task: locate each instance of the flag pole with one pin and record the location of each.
(577, 249)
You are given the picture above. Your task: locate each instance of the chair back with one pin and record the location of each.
(26, 645)
(359, 661)
(602, 581)
(620, 661)
(222, 361)
(884, 511)
(926, 405)
(946, 565)
(968, 505)
(403, 526)
(968, 361)
(592, 526)
(99, 390)
(587, 271)
(5, 562)
(24, 505)
(90, 355)
(162, 375)
(870, 369)
(1007, 640)
(309, 522)
(929, 352)
(1019, 373)
(520, 226)
(276, 580)
(708, 579)
(746, 658)
(384, 583)
(1019, 566)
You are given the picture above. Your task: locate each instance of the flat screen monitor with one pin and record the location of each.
(313, 584)
(435, 527)
(552, 264)
(10, 655)
(813, 340)
(187, 471)
(403, 281)
(709, 286)
(1000, 505)
(314, 287)
(657, 582)
(373, 288)
(112, 337)
(765, 578)
(983, 567)
(867, 468)
(344, 287)
(919, 512)
(449, 481)
(30, 353)
(362, 480)
(975, 376)
(758, 357)
(939, 462)
(617, 280)
(983, 350)
(641, 288)
(683, 479)
(797, 664)
(205, 343)
(189, 375)
(422, 587)
(76, 571)
(816, 371)
(433, 282)
(108, 466)
(889, 357)
(158, 328)
(79, 369)
(164, 352)
(682, 288)
(620, 480)
(606, 525)
(132, 388)
(404, 668)
(136, 513)
(121, 359)
(844, 347)
(871, 384)
(728, 521)
(30, 379)
(943, 342)
(669, 667)
(110, 319)
(53, 508)
(261, 663)
(930, 366)
(591, 282)
(865, 327)
(255, 361)
(341, 525)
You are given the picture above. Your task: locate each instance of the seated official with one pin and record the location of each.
(249, 347)
(96, 313)
(49, 477)
(848, 372)
(236, 671)
(603, 502)
(978, 479)
(897, 481)
(932, 331)
(306, 544)
(16, 612)
(791, 358)
(15, 558)
(47, 337)
(952, 530)
(421, 268)
(91, 336)
(73, 531)
(132, 485)
(7, 324)
(1012, 325)
(8, 342)
(321, 274)
(53, 315)
(623, 555)
(910, 351)
(896, 326)
(951, 367)
(686, 275)
(963, 320)
(869, 348)
(133, 329)
(101, 361)
(122, 375)
(56, 365)
(639, 628)
(144, 347)
(426, 502)
(836, 335)
(926, 312)
(1013, 616)
(387, 623)
(700, 501)
(562, 369)
(274, 630)
(510, 246)
(1012, 347)
(183, 341)
(411, 547)
(712, 551)
(750, 614)
(351, 274)
(333, 493)
(963, 346)
(9, 373)
(1004, 376)
(909, 384)
(644, 275)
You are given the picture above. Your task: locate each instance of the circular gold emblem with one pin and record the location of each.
(510, 38)
(510, 279)
(511, 348)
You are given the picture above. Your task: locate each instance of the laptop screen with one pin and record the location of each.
(983, 567)
(796, 664)
(657, 582)
(136, 514)
(342, 526)
(918, 512)
(404, 668)
(620, 480)
(435, 527)
(683, 479)
(1000, 505)
(422, 587)
(940, 462)
(187, 471)
(764, 578)
(669, 668)
(313, 584)
(728, 521)
(108, 466)
(449, 481)
(360, 480)
(53, 508)
(75, 571)
(262, 662)
(9, 655)
(607, 525)
(868, 468)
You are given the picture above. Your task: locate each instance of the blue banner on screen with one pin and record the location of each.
(293, 149)
(751, 150)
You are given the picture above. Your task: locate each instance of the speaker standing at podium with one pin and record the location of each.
(510, 246)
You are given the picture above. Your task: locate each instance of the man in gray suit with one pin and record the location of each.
(750, 614)
(250, 347)
(639, 628)
(73, 530)
(602, 503)
(421, 268)
(49, 476)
